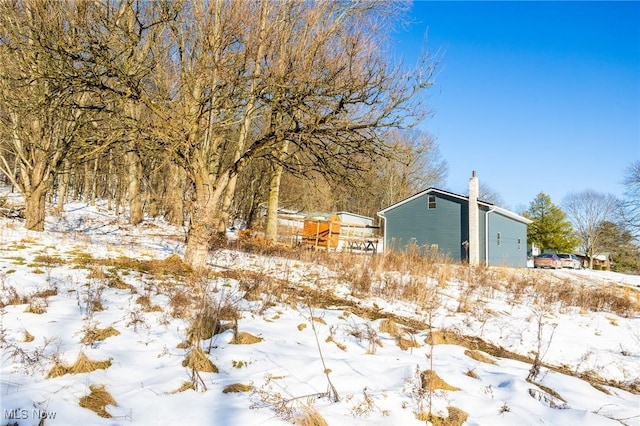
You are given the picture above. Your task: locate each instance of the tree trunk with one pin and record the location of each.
(107, 189)
(76, 184)
(36, 181)
(86, 183)
(118, 196)
(135, 204)
(35, 209)
(63, 188)
(223, 220)
(271, 232)
(174, 213)
(94, 183)
(205, 215)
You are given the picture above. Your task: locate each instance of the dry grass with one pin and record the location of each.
(548, 390)
(98, 334)
(244, 338)
(10, 296)
(47, 292)
(37, 306)
(431, 381)
(207, 320)
(471, 373)
(520, 285)
(98, 400)
(82, 365)
(442, 338)
(456, 417)
(183, 345)
(204, 327)
(28, 337)
(171, 266)
(48, 260)
(479, 356)
(319, 320)
(340, 346)
(114, 281)
(57, 370)
(184, 387)
(147, 306)
(181, 302)
(237, 387)
(390, 327)
(310, 417)
(253, 242)
(406, 344)
(198, 360)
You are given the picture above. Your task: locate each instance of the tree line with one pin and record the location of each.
(591, 222)
(209, 111)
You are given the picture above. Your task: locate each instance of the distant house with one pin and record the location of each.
(601, 261)
(461, 227)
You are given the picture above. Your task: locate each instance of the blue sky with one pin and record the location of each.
(534, 96)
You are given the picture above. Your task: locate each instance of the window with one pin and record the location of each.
(431, 202)
(499, 239)
(519, 244)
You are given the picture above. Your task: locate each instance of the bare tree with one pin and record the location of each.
(65, 68)
(490, 195)
(326, 92)
(44, 119)
(306, 88)
(587, 210)
(631, 202)
(335, 97)
(415, 165)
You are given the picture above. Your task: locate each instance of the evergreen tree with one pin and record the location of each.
(550, 230)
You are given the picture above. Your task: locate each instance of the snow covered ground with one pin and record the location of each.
(355, 360)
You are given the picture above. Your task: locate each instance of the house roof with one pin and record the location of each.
(602, 256)
(491, 206)
(354, 214)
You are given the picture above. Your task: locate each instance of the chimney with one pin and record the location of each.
(474, 221)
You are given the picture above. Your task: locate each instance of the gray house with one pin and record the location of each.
(461, 227)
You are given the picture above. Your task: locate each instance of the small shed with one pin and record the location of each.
(319, 231)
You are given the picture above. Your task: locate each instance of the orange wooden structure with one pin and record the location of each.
(321, 233)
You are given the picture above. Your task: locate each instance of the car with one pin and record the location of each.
(547, 260)
(570, 261)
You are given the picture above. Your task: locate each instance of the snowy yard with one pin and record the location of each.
(94, 315)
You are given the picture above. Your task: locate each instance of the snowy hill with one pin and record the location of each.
(103, 325)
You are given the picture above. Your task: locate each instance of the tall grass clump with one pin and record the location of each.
(98, 400)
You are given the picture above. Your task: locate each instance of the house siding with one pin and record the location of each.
(482, 230)
(446, 225)
(347, 217)
(509, 251)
